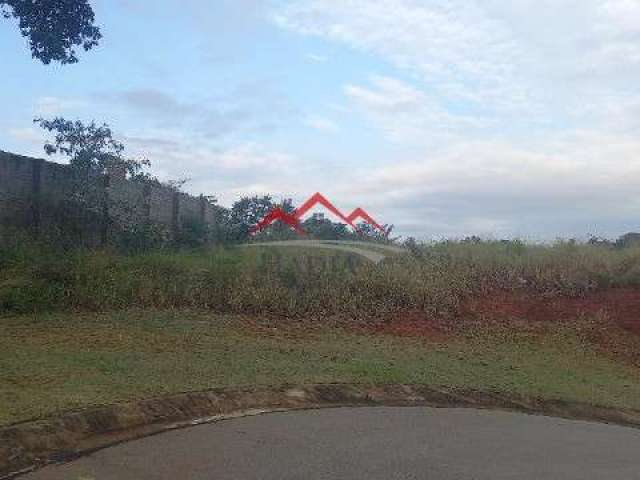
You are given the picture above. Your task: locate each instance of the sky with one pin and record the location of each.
(445, 118)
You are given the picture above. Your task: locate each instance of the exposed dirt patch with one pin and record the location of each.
(526, 311)
(621, 306)
(602, 320)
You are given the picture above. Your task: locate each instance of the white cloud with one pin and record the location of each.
(444, 41)
(322, 124)
(621, 17)
(524, 62)
(517, 116)
(53, 106)
(314, 57)
(559, 185)
(577, 166)
(224, 171)
(251, 155)
(27, 135)
(406, 114)
(174, 152)
(390, 95)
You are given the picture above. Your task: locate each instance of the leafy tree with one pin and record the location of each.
(324, 229)
(91, 148)
(94, 156)
(248, 211)
(55, 28)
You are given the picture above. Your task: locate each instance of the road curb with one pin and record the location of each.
(30, 445)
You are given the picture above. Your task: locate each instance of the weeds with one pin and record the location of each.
(298, 281)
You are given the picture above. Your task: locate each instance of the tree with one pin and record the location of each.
(96, 158)
(248, 211)
(245, 213)
(320, 227)
(91, 148)
(55, 28)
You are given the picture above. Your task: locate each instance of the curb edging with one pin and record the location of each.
(30, 445)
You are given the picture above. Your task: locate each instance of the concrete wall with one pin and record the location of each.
(35, 195)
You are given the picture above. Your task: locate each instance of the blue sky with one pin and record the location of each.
(443, 117)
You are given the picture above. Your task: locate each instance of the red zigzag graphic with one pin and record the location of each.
(293, 219)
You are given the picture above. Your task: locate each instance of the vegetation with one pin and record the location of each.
(51, 363)
(91, 148)
(96, 159)
(54, 27)
(91, 327)
(151, 313)
(434, 279)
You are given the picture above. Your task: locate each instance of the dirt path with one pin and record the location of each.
(372, 252)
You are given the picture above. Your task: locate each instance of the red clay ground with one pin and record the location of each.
(602, 319)
(619, 307)
(614, 307)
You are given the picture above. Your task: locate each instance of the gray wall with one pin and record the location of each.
(35, 192)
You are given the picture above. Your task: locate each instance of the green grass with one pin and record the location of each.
(56, 362)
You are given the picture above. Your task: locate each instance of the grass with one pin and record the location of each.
(304, 282)
(55, 362)
(84, 328)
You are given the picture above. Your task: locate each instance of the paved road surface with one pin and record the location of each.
(373, 252)
(373, 444)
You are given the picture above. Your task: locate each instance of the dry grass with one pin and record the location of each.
(298, 282)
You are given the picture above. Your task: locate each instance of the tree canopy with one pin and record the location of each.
(90, 148)
(55, 28)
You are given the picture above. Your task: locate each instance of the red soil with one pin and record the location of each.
(619, 306)
(622, 306)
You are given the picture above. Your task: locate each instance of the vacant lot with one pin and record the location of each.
(87, 328)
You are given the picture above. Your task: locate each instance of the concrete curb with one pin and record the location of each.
(27, 446)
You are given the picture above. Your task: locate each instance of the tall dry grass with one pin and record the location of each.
(297, 282)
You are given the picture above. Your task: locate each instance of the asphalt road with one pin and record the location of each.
(371, 443)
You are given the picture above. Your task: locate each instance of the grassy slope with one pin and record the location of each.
(302, 282)
(55, 362)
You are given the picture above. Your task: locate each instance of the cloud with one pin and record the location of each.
(314, 57)
(390, 96)
(407, 114)
(515, 117)
(524, 62)
(252, 155)
(54, 106)
(27, 135)
(433, 39)
(322, 124)
(562, 185)
(248, 109)
(156, 102)
(212, 168)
